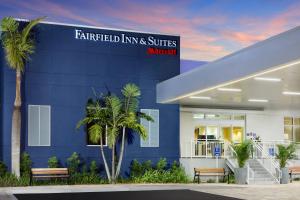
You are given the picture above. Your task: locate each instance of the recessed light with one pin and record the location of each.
(267, 79)
(258, 100)
(291, 93)
(198, 116)
(200, 97)
(230, 89)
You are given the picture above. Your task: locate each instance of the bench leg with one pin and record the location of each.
(291, 177)
(228, 176)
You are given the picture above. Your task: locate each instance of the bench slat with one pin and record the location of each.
(62, 176)
(210, 170)
(49, 171)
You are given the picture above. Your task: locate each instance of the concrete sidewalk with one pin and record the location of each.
(249, 192)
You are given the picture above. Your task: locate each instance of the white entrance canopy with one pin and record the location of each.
(265, 75)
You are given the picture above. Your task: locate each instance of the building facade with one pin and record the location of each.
(68, 64)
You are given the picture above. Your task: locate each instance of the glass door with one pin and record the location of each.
(226, 133)
(237, 134)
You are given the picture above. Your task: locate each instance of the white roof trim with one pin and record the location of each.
(277, 52)
(98, 27)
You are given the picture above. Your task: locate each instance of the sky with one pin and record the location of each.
(208, 29)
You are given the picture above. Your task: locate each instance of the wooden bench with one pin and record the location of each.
(45, 173)
(295, 170)
(210, 172)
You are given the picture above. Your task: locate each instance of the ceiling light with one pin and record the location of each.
(258, 100)
(198, 116)
(291, 93)
(267, 79)
(230, 89)
(198, 97)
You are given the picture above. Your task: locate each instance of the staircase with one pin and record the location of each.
(261, 169)
(260, 175)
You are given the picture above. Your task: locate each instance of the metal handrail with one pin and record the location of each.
(273, 162)
(250, 173)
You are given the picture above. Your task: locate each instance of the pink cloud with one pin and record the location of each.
(162, 19)
(49, 8)
(257, 29)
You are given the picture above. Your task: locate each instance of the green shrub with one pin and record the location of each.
(84, 169)
(3, 169)
(93, 168)
(159, 174)
(86, 178)
(10, 180)
(73, 163)
(146, 166)
(161, 164)
(25, 164)
(136, 169)
(53, 162)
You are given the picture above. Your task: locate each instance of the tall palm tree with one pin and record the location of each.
(97, 118)
(114, 123)
(112, 119)
(18, 46)
(131, 94)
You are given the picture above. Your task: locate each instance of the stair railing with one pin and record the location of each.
(250, 174)
(230, 155)
(232, 162)
(267, 161)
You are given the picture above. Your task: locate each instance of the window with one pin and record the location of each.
(152, 128)
(292, 129)
(39, 127)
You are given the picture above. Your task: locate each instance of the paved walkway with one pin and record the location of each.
(252, 192)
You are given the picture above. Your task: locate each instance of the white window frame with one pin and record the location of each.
(39, 145)
(149, 132)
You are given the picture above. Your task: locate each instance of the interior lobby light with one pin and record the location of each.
(258, 100)
(230, 89)
(267, 79)
(291, 93)
(200, 97)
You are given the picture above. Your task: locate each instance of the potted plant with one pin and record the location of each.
(243, 151)
(285, 153)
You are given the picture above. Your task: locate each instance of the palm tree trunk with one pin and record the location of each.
(113, 165)
(16, 128)
(104, 160)
(121, 153)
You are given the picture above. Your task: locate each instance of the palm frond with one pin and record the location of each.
(83, 122)
(142, 115)
(29, 26)
(131, 94)
(18, 46)
(9, 24)
(95, 133)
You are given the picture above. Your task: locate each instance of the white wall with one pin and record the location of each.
(189, 164)
(269, 124)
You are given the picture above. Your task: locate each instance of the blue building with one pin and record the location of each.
(68, 62)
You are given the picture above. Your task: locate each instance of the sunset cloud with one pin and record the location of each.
(207, 30)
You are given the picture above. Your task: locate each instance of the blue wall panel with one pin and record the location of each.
(63, 72)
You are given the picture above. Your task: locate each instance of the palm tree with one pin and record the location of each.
(114, 123)
(131, 94)
(115, 116)
(18, 46)
(97, 117)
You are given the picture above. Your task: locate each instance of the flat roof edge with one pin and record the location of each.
(98, 27)
(277, 52)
